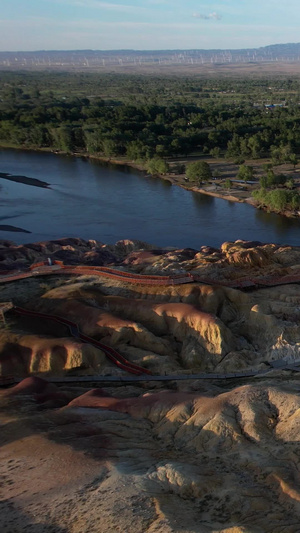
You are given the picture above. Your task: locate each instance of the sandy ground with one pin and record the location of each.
(166, 462)
(55, 478)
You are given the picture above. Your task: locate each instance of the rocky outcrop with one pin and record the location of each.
(233, 261)
(188, 327)
(23, 355)
(180, 330)
(70, 250)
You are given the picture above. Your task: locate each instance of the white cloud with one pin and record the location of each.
(105, 5)
(157, 2)
(211, 16)
(98, 4)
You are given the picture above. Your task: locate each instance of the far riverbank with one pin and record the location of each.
(241, 193)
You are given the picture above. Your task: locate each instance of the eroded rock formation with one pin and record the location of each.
(166, 328)
(194, 456)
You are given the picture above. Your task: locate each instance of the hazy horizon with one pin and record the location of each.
(141, 49)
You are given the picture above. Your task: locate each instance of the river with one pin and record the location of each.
(89, 199)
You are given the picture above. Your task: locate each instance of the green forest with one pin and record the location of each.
(141, 117)
(153, 119)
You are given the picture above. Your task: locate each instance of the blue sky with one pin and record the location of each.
(146, 24)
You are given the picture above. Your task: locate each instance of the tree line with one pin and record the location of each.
(144, 118)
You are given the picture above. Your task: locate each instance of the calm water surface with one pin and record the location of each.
(94, 201)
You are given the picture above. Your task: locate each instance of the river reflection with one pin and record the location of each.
(93, 200)
(203, 200)
(283, 225)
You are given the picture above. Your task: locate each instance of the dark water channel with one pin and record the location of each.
(94, 201)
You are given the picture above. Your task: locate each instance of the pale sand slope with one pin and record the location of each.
(162, 462)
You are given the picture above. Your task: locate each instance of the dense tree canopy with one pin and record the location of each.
(157, 166)
(271, 180)
(246, 172)
(278, 199)
(198, 171)
(146, 117)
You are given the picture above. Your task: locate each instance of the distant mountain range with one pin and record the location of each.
(95, 59)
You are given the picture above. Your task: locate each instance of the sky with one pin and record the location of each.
(146, 24)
